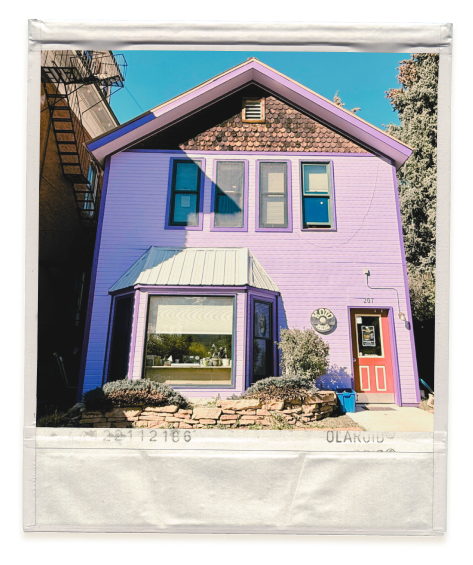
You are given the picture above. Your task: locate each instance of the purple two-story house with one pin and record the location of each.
(246, 205)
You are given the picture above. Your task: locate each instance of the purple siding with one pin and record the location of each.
(312, 270)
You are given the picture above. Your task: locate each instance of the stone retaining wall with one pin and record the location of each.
(228, 413)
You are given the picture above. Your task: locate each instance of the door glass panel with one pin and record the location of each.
(259, 358)
(369, 336)
(262, 321)
(263, 346)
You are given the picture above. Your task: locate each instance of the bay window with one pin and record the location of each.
(189, 340)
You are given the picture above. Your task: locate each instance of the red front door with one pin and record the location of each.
(372, 356)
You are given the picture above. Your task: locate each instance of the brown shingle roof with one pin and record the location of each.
(286, 129)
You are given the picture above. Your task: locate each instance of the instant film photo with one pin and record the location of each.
(233, 306)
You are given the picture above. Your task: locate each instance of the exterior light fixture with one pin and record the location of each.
(402, 316)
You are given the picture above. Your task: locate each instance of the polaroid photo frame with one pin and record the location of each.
(233, 261)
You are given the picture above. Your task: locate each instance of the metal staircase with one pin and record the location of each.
(63, 74)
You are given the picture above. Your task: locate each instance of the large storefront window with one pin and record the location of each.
(189, 340)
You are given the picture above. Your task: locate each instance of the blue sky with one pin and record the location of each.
(361, 78)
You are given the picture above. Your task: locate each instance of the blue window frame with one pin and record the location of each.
(185, 193)
(317, 196)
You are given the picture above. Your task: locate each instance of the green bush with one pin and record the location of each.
(95, 399)
(234, 397)
(132, 393)
(304, 353)
(143, 390)
(55, 420)
(136, 397)
(277, 389)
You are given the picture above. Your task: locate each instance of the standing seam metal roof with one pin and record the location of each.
(215, 266)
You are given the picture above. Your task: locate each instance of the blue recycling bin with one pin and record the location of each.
(346, 399)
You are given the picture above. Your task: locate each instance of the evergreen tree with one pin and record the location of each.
(416, 103)
(338, 101)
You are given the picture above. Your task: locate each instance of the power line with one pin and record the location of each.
(126, 88)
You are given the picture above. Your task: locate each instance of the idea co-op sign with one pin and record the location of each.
(323, 320)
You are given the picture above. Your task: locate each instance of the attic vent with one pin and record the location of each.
(253, 110)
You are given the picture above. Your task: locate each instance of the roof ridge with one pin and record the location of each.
(206, 93)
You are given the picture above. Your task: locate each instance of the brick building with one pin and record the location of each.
(75, 107)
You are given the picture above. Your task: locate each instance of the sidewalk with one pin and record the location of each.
(396, 420)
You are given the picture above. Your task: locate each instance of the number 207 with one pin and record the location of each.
(368, 300)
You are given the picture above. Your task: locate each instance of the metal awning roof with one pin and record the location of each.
(209, 266)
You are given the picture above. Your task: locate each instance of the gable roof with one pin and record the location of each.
(250, 72)
(206, 266)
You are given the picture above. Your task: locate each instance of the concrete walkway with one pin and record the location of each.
(397, 420)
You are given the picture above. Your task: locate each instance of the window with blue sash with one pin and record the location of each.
(317, 195)
(185, 193)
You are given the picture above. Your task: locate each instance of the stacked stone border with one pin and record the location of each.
(229, 413)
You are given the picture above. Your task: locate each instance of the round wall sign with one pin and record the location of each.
(323, 320)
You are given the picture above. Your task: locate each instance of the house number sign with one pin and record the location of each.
(323, 320)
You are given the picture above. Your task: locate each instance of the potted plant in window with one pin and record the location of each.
(226, 361)
(216, 355)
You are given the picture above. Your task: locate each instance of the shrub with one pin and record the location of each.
(76, 410)
(132, 393)
(95, 399)
(281, 388)
(54, 420)
(234, 397)
(304, 353)
(141, 391)
(136, 397)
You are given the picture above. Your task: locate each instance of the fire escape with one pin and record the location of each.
(64, 73)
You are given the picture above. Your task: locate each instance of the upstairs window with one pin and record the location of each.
(185, 193)
(273, 195)
(253, 110)
(229, 194)
(317, 205)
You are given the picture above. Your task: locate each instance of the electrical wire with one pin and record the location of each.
(126, 88)
(385, 288)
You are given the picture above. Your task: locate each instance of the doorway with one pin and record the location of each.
(263, 341)
(372, 356)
